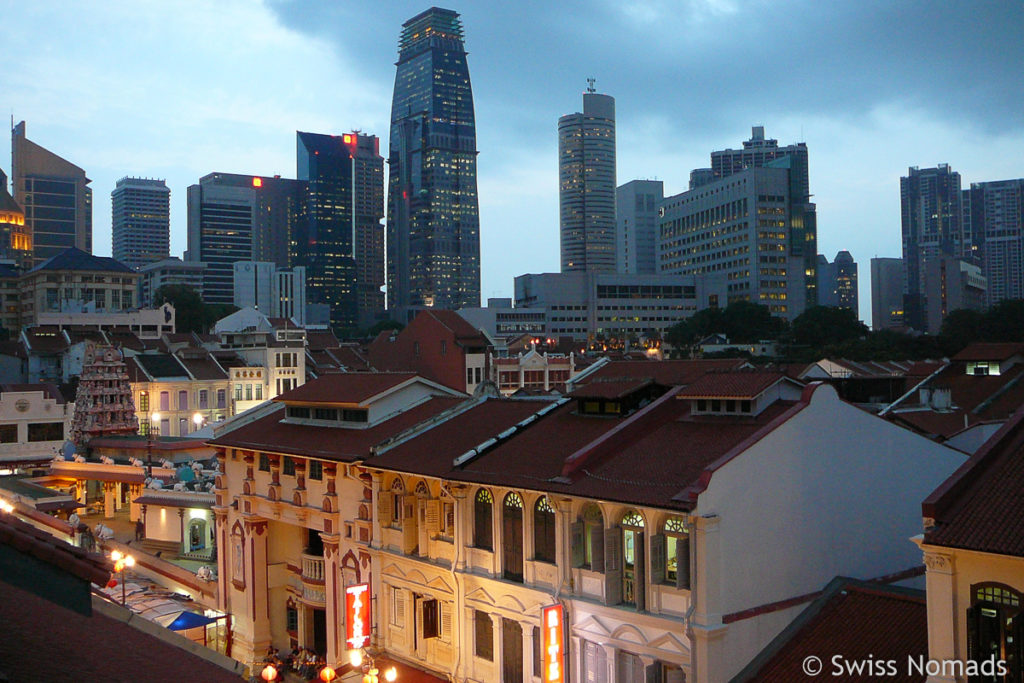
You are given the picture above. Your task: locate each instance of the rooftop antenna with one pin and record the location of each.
(590, 86)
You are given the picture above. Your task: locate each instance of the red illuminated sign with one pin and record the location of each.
(257, 182)
(553, 633)
(357, 615)
(347, 139)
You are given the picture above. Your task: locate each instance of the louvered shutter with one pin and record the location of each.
(613, 566)
(385, 502)
(683, 563)
(579, 550)
(434, 517)
(657, 559)
(597, 549)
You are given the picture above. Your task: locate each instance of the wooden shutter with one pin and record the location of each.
(446, 622)
(431, 619)
(657, 559)
(576, 531)
(652, 674)
(683, 563)
(409, 507)
(597, 549)
(640, 573)
(613, 566)
(385, 502)
(674, 675)
(434, 516)
(399, 617)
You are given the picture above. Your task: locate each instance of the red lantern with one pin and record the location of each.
(112, 583)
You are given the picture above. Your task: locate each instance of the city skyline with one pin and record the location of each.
(228, 104)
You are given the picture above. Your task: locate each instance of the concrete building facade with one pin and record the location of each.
(141, 216)
(993, 213)
(277, 292)
(887, 281)
(636, 218)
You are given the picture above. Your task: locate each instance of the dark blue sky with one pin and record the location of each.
(128, 88)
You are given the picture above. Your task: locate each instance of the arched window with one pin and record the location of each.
(397, 496)
(677, 552)
(995, 626)
(587, 536)
(512, 537)
(543, 531)
(422, 491)
(483, 530)
(632, 558)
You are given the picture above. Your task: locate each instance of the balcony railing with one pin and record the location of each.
(312, 568)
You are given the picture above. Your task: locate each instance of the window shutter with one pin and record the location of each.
(384, 505)
(683, 563)
(576, 538)
(409, 507)
(399, 607)
(640, 574)
(652, 673)
(674, 675)
(434, 516)
(657, 559)
(431, 619)
(597, 549)
(613, 565)
(446, 622)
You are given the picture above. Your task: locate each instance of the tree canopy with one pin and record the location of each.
(191, 313)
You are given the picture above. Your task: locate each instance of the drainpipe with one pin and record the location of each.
(460, 601)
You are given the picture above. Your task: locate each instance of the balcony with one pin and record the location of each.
(312, 569)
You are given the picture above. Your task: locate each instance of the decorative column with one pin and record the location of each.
(256, 610)
(333, 597)
(943, 612)
(496, 649)
(118, 495)
(108, 499)
(563, 541)
(376, 482)
(706, 627)
(463, 534)
(274, 492)
(528, 651)
(224, 551)
(134, 511)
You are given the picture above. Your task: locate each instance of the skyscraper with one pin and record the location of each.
(932, 228)
(433, 209)
(325, 241)
(802, 237)
(887, 281)
(55, 196)
(141, 217)
(15, 239)
(636, 217)
(993, 215)
(586, 185)
(837, 282)
(369, 204)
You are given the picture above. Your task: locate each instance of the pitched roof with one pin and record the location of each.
(345, 387)
(456, 323)
(49, 389)
(980, 506)
(201, 365)
(668, 373)
(27, 539)
(269, 433)
(732, 385)
(73, 258)
(990, 351)
(45, 339)
(161, 365)
(610, 389)
(857, 620)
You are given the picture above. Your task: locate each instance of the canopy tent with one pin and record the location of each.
(186, 620)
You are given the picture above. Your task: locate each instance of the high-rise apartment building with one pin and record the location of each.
(758, 152)
(55, 195)
(15, 239)
(233, 217)
(586, 185)
(369, 211)
(141, 217)
(740, 226)
(636, 217)
(887, 282)
(837, 282)
(433, 211)
(932, 228)
(993, 214)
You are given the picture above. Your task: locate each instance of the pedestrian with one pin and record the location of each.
(140, 530)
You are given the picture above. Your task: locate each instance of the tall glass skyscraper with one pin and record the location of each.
(141, 218)
(433, 210)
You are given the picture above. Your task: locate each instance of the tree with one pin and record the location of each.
(819, 326)
(191, 314)
(960, 328)
(747, 322)
(384, 325)
(1004, 322)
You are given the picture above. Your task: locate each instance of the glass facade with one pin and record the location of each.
(433, 248)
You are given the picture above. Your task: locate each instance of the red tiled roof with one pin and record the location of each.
(345, 387)
(856, 620)
(456, 323)
(49, 389)
(665, 372)
(202, 367)
(331, 443)
(990, 351)
(317, 340)
(735, 385)
(610, 389)
(12, 347)
(42, 641)
(28, 539)
(350, 357)
(981, 506)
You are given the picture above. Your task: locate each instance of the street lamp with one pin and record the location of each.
(122, 563)
(198, 420)
(362, 659)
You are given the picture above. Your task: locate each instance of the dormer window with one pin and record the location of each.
(726, 406)
(982, 368)
(321, 415)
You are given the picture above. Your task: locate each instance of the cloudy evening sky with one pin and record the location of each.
(178, 90)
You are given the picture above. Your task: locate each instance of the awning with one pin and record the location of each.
(187, 620)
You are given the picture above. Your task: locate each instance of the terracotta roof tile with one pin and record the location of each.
(29, 540)
(857, 620)
(990, 351)
(610, 389)
(735, 385)
(345, 387)
(666, 372)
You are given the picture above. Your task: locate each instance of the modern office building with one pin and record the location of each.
(742, 226)
(758, 152)
(932, 229)
(275, 292)
(636, 218)
(951, 284)
(586, 185)
(615, 306)
(886, 293)
(837, 282)
(993, 215)
(433, 209)
(169, 271)
(369, 211)
(15, 238)
(141, 217)
(55, 195)
(233, 217)
(701, 176)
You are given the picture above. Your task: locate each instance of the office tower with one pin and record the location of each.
(234, 217)
(636, 218)
(15, 239)
(325, 242)
(886, 293)
(433, 211)
(951, 284)
(169, 272)
(993, 215)
(141, 216)
(741, 226)
(369, 203)
(701, 176)
(275, 292)
(55, 196)
(586, 185)
(837, 282)
(932, 228)
(757, 152)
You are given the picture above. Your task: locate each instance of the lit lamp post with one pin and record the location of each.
(371, 674)
(198, 420)
(122, 563)
(154, 429)
(269, 673)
